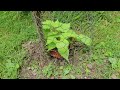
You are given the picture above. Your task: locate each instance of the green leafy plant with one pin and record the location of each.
(49, 70)
(67, 70)
(58, 36)
(114, 62)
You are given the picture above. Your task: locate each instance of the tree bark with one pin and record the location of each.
(37, 17)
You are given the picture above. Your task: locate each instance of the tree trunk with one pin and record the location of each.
(37, 17)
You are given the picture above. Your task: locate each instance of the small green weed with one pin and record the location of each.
(114, 62)
(49, 70)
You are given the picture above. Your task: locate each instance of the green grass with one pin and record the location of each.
(14, 30)
(103, 28)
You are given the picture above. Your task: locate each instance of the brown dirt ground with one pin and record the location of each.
(27, 72)
(33, 55)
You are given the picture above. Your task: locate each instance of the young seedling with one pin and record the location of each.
(58, 36)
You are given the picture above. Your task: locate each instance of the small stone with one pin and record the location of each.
(114, 76)
(89, 66)
(52, 77)
(34, 73)
(85, 77)
(72, 77)
(28, 68)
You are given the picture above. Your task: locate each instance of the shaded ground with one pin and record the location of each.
(78, 67)
(33, 56)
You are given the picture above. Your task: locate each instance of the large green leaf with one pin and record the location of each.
(46, 32)
(69, 34)
(55, 34)
(50, 39)
(56, 24)
(64, 27)
(64, 52)
(63, 48)
(51, 46)
(46, 27)
(62, 43)
(48, 22)
(86, 40)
